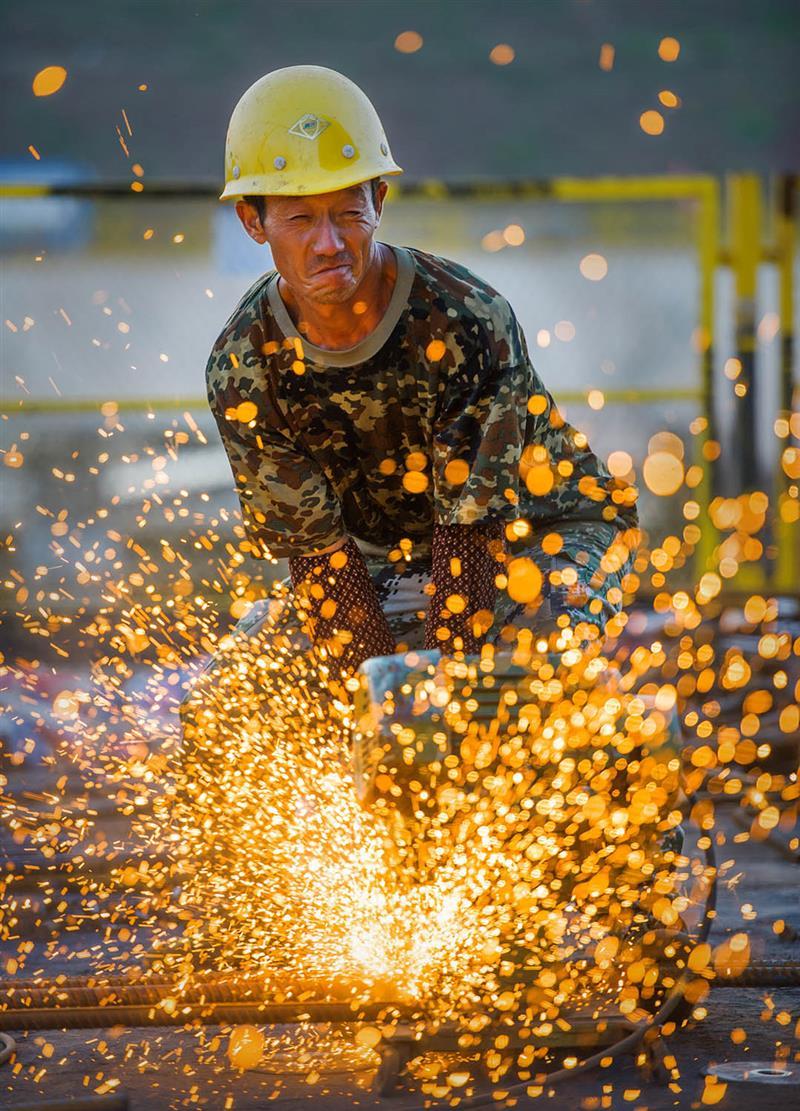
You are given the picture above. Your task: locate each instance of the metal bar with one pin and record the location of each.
(771, 974)
(92, 405)
(569, 189)
(84, 1018)
(203, 992)
(116, 1102)
(708, 241)
(780, 973)
(101, 190)
(744, 191)
(168, 404)
(787, 566)
(685, 187)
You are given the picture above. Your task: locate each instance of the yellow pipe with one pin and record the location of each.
(787, 533)
(92, 405)
(565, 189)
(630, 188)
(745, 219)
(708, 234)
(632, 396)
(11, 190)
(165, 404)
(745, 240)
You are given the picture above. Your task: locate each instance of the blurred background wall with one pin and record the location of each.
(549, 101)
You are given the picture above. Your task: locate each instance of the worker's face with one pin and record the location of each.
(321, 245)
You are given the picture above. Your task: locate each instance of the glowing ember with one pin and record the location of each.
(49, 80)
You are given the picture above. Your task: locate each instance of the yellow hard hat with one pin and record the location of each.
(303, 130)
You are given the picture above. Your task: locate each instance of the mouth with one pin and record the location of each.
(333, 269)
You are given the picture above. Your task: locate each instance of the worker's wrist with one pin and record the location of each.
(342, 612)
(463, 570)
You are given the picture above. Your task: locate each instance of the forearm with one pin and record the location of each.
(343, 613)
(463, 570)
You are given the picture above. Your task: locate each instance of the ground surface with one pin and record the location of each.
(161, 1068)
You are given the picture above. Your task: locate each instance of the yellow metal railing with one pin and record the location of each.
(743, 253)
(787, 534)
(165, 404)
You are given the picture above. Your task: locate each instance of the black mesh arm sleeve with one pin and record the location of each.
(463, 569)
(343, 614)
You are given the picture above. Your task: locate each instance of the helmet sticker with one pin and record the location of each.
(309, 126)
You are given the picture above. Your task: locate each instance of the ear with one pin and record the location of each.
(251, 221)
(380, 196)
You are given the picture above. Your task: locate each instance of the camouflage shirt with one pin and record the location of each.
(438, 416)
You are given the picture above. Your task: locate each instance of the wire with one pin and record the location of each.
(763, 974)
(709, 912)
(630, 1041)
(9, 1048)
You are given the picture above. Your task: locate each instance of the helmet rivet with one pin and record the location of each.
(348, 151)
(236, 171)
(279, 163)
(384, 149)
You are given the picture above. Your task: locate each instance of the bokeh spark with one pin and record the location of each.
(511, 872)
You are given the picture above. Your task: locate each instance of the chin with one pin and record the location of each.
(334, 294)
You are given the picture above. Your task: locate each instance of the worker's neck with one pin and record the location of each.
(344, 324)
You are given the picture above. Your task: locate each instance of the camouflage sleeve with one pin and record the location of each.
(584, 524)
(478, 440)
(503, 450)
(582, 566)
(288, 507)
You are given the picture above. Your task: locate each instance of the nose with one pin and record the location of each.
(328, 241)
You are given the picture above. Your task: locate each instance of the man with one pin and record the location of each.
(385, 427)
